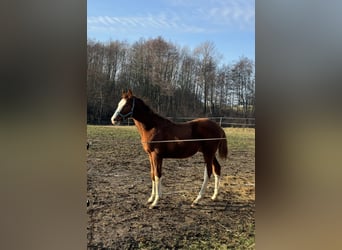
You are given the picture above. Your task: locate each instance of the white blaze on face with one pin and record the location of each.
(121, 104)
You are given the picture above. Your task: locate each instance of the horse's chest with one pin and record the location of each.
(147, 145)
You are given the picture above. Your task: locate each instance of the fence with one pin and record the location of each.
(223, 121)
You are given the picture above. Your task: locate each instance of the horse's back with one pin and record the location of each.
(206, 128)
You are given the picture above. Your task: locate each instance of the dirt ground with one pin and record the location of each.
(119, 185)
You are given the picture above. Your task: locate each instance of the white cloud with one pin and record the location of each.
(194, 16)
(239, 13)
(232, 9)
(162, 21)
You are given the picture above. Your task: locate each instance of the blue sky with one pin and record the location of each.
(229, 24)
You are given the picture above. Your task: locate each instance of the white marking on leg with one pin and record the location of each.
(159, 192)
(153, 193)
(216, 189)
(157, 185)
(203, 188)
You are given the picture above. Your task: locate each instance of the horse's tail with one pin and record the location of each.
(223, 147)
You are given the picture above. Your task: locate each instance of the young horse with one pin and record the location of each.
(162, 138)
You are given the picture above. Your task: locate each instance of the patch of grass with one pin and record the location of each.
(245, 236)
(241, 139)
(112, 132)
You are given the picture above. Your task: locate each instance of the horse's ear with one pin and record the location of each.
(129, 92)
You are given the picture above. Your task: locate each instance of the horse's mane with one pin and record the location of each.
(151, 113)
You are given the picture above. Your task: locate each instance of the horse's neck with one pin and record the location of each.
(146, 119)
(140, 127)
(145, 123)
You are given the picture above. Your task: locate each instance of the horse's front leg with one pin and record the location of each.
(157, 186)
(156, 164)
(153, 193)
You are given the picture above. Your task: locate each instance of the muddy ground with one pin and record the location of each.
(119, 185)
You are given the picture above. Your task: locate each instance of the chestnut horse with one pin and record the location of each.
(162, 138)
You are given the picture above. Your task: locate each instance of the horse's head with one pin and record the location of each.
(125, 107)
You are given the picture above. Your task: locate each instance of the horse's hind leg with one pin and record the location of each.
(217, 173)
(203, 188)
(207, 174)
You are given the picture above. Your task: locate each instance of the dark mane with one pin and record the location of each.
(156, 118)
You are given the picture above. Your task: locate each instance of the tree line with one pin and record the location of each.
(174, 81)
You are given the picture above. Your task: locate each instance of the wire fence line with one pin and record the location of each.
(185, 140)
(223, 121)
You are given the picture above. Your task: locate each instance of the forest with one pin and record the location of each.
(174, 81)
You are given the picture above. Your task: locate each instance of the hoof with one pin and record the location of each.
(214, 198)
(150, 200)
(152, 206)
(194, 204)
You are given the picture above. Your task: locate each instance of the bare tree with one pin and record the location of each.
(243, 77)
(175, 81)
(208, 58)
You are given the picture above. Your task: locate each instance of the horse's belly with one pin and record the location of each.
(178, 150)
